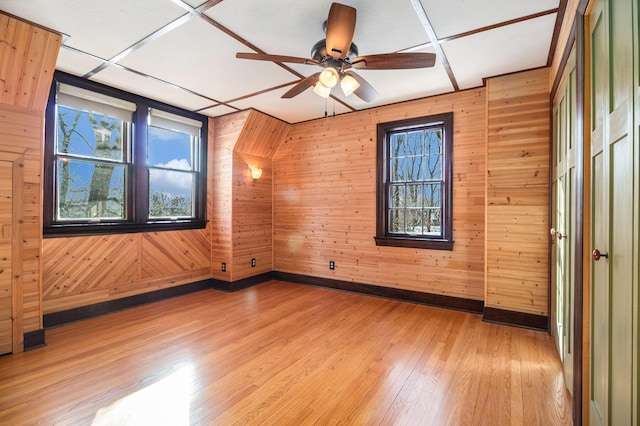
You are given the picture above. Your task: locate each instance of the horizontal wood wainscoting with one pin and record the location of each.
(283, 354)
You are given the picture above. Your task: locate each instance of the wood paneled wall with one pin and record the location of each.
(315, 201)
(517, 226)
(325, 201)
(27, 61)
(246, 139)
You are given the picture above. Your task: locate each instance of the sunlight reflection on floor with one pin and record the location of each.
(165, 402)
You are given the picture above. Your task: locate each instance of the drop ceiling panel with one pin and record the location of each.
(501, 51)
(202, 59)
(218, 111)
(144, 86)
(401, 85)
(102, 28)
(76, 63)
(305, 106)
(453, 17)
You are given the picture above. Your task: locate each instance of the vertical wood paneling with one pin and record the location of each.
(517, 222)
(28, 56)
(243, 140)
(27, 60)
(325, 201)
(225, 134)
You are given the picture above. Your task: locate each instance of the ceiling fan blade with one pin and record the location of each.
(303, 85)
(276, 58)
(395, 61)
(366, 92)
(341, 24)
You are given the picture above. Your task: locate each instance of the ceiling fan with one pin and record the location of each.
(338, 55)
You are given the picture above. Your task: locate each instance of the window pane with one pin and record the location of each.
(414, 195)
(432, 195)
(434, 167)
(398, 145)
(406, 169)
(414, 221)
(89, 135)
(415, 143)
(432, 222)
(170, 149)
(397, 221)
(397, 196)
(170, 193)
(89, 190)
(433, 140)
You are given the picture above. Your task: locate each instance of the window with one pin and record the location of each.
(414, 183)
(115, 162)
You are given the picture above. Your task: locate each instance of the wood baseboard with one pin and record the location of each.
(56, 319)
(520, 319)
(467, 305)
(231, 286)
(34, 339)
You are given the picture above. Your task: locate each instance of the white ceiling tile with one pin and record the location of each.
(98, 27)
(150, 88)
(76, 63)
(305, 106)
(218, 110)
(203, 59)
(501, 51)
(453, 17)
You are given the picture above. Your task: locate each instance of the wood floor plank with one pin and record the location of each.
(281, 353)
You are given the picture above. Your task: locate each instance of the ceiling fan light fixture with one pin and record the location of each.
(322, 90)
(349, 85)
(329, 77)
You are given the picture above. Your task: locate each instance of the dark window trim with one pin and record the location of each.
(383, 237)
(136, 186)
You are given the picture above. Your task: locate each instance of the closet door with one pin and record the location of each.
(563, 223)
(613, 396)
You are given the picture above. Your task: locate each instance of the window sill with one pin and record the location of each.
(82, 229)
(420, 243)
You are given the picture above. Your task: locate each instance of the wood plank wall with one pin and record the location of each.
(249, 138)
(27, 60)
(223, 134)
(517, 227)
(315, 201)
(325, 201)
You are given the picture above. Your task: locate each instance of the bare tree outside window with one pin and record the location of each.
(91, 169)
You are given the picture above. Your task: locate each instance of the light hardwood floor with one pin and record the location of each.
(280, 353)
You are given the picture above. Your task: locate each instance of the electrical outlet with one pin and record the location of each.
(332, 265)
(224, 267)
(253, 262)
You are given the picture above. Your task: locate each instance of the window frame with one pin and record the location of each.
(137, 170)
(383, 236)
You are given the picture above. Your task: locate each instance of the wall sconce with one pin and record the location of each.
(256, 173)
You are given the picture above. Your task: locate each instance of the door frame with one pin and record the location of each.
(577, 37)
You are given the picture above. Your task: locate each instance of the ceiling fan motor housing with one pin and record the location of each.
(320, 54)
